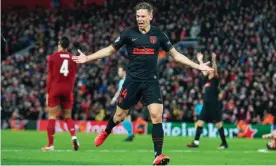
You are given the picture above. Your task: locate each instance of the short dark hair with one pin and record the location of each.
(144, 5)
(123, 66)
(64, 42)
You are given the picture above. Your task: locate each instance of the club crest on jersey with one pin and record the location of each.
(208, 84)
(153, 39)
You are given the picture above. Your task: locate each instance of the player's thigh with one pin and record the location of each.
(53, 100)
(155, 109)
(66, 101)
(156, 112)
(151, 93)
(129, 95)
(120, 114)
(67, 113)
(204, 115)
(216, 113)
(52, 111)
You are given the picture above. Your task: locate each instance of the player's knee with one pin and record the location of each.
(219, 125)
(156, 111)
(51, 116)
(67, 114)
(156, 117)
(52, 111)
(120, 116)
(200, 123)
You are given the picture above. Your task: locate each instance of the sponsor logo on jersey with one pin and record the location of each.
(139, 51)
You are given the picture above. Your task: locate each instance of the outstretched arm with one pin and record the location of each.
(186, 61)
(105, 52)
(199, 57)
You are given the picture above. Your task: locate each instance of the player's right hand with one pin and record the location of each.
(205, 67)
(82, 58)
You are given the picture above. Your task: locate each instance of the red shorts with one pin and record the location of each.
(65, 101)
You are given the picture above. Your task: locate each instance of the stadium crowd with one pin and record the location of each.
(242, 33)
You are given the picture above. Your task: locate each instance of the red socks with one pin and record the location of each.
(51, 131)
(71, 126)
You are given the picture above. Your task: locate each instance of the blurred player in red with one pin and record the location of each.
(60, 84)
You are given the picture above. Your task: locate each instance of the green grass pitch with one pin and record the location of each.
(23, 147)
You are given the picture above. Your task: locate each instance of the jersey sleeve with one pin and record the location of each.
(165, 42)
(120, 85)
(120, 41)
(49, 72)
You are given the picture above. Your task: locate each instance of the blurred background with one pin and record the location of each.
(242, 33)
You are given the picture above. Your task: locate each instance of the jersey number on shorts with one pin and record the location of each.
(124, 93)
(64, 68)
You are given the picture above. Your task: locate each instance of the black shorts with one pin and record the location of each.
(211, 112)
(132, 92)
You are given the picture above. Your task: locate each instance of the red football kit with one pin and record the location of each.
(61, 79)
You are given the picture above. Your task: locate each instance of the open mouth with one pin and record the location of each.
(140, 24)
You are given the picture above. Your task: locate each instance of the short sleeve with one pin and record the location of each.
(121, 82)
(165, 42)
(120, 41)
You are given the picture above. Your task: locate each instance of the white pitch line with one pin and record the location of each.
(136, 151)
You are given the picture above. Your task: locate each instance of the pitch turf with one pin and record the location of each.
(23, 147)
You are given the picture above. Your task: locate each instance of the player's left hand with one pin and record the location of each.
(205, 67)
(82, 58)
(112, 102)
